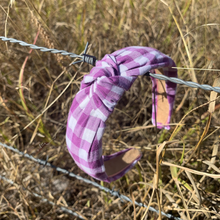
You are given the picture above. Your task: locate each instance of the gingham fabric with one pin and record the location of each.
(100, 91)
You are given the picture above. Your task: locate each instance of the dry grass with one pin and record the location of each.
(30, 81)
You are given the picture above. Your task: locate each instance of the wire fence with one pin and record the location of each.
(92, 60)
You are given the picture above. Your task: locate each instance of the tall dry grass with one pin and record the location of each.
(30, 81)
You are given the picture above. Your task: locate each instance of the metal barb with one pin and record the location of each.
(89, 59)
(112, 192)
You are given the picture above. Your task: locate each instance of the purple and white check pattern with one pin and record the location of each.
(100, 91)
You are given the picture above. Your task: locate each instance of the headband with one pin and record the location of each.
(100, 91)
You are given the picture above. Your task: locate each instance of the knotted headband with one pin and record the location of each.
(100, 91)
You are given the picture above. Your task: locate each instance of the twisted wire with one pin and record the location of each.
(92, 60)
(187, 83)
(43, 199)
(111, 191)
(84, 58)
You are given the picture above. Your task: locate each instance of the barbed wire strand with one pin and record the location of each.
(92, 60)
(84, 57)
(42, 198)
(111, 191)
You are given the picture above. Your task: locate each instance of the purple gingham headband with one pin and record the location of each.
(100, 91)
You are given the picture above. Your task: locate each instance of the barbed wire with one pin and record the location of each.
(107, 190)
(83, 58)
(92, 60)
(42, 198)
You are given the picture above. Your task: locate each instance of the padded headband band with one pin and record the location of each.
(100, 91)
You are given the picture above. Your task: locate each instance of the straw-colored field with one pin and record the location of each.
(30, 81)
